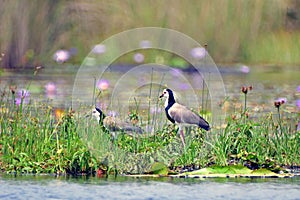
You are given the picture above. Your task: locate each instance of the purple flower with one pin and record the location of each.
(138, 57)
(298, 103)
(198, 52)
(244, 69)
(103, 84)
(99, 49)
(298, 88)
(23, 93)
(61, 56)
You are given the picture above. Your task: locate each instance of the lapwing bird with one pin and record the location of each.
(181, 115)
(115, 125)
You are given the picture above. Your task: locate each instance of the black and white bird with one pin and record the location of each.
(181, 115)
(115, 125)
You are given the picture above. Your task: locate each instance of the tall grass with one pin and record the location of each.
(33, 140)
(236, 31)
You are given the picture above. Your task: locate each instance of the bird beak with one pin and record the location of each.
(162, 95)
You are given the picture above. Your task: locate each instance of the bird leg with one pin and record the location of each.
(182, 136)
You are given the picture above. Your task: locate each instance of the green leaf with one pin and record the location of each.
(233, 169)
(159, 168)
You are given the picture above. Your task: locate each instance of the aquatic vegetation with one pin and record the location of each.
(42, 139)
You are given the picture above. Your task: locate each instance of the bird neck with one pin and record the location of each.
(101, 117)
(169, 101)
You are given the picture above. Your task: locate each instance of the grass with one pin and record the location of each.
(35, 140)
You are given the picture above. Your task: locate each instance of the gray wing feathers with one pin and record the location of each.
(182, 114)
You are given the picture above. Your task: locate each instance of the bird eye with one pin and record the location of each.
(165, 92)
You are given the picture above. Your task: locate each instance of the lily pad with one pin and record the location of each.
(233, 169)
(159, 168)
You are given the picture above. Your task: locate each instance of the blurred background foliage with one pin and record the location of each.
(248, 31)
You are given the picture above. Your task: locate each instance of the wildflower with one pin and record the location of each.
(138, 57)
(99, 49)
(50, 89)
(61, 56)
(23, 96)
(103, 84)
(279, 102)
(59, 113)
(245, 89)
(298, 103)
(244, 69)
(298, 88)
(23, 93)
(282, 100)
(145, 44)
(198, 52)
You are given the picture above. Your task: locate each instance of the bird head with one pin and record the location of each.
(98, 114)
(168, 94)
(165, 93)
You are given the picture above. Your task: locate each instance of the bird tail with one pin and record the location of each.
(133, 129)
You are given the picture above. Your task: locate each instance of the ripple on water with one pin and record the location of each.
(95, 188)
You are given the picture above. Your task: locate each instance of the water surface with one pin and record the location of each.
(50, 187)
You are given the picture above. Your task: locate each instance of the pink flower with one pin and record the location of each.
(50, 89)
(138, 57)
(198, 52)
(282, 100)
(61, 56)
(103, 84)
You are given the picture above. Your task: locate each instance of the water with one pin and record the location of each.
(269, 83)
(49, 187)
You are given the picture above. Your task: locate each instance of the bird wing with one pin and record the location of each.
(182, 114)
